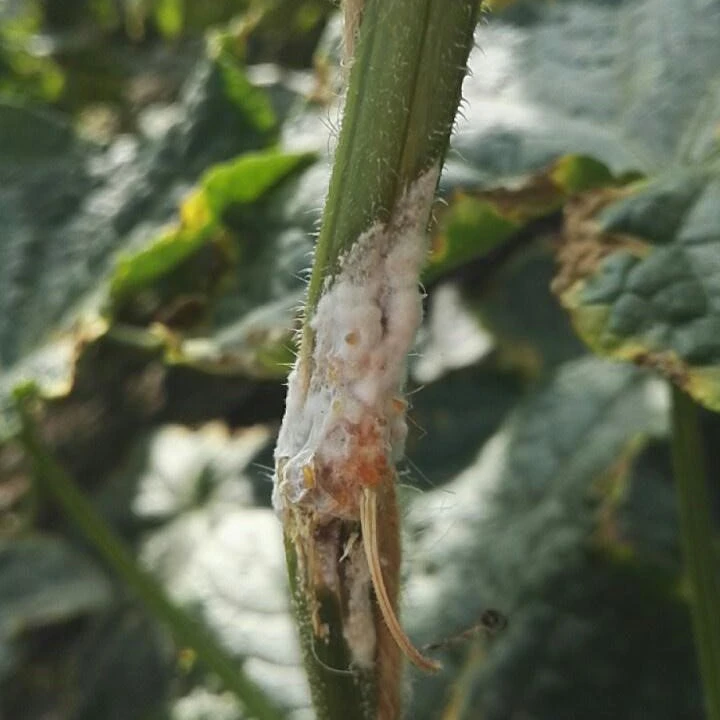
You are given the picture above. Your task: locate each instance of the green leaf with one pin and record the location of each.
(59, 486)
(641, 278)
(236, 85)
(631, 84)
(538, 528)
(69, 213)
(26, 73)
(169, 16)
(62, 257)
(558, 89)
(223, 188)
(470, 228)
(194, 271)
(260, 344)
(86, 668)
(477, 222)
(141, 270)
(459, 411)
(566, 523)
(31, 136)
(249, 178)
(532, 332)
(44, 581)
(213, 551)
(125, 649)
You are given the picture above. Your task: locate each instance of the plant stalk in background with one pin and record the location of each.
(696, 530)
(80, 511)
(344, 427)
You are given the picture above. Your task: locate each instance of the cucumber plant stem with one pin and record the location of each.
(696, 529)
(403, 92)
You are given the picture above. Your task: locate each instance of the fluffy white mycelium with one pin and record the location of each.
(344, 425)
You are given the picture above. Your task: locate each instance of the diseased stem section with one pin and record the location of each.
(344, 428)
(343, 431)
(697, 534)
(370, 535)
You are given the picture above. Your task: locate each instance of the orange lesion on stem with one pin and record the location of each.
(358, 486)
(365, 465)
(370, 468)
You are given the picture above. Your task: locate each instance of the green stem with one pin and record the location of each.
(698, 545)
(53, 479)
(403, 93)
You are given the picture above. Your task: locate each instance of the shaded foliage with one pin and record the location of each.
(159, 193)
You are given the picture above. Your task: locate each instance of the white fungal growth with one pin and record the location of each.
(359, 625)
(344, 425)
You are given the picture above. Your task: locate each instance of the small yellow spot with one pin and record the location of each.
(195, 211)
(352, 338)
(309, 477)
(186, 659)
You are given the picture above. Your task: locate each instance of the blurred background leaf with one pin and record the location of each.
(162, 169)
(640, 274)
